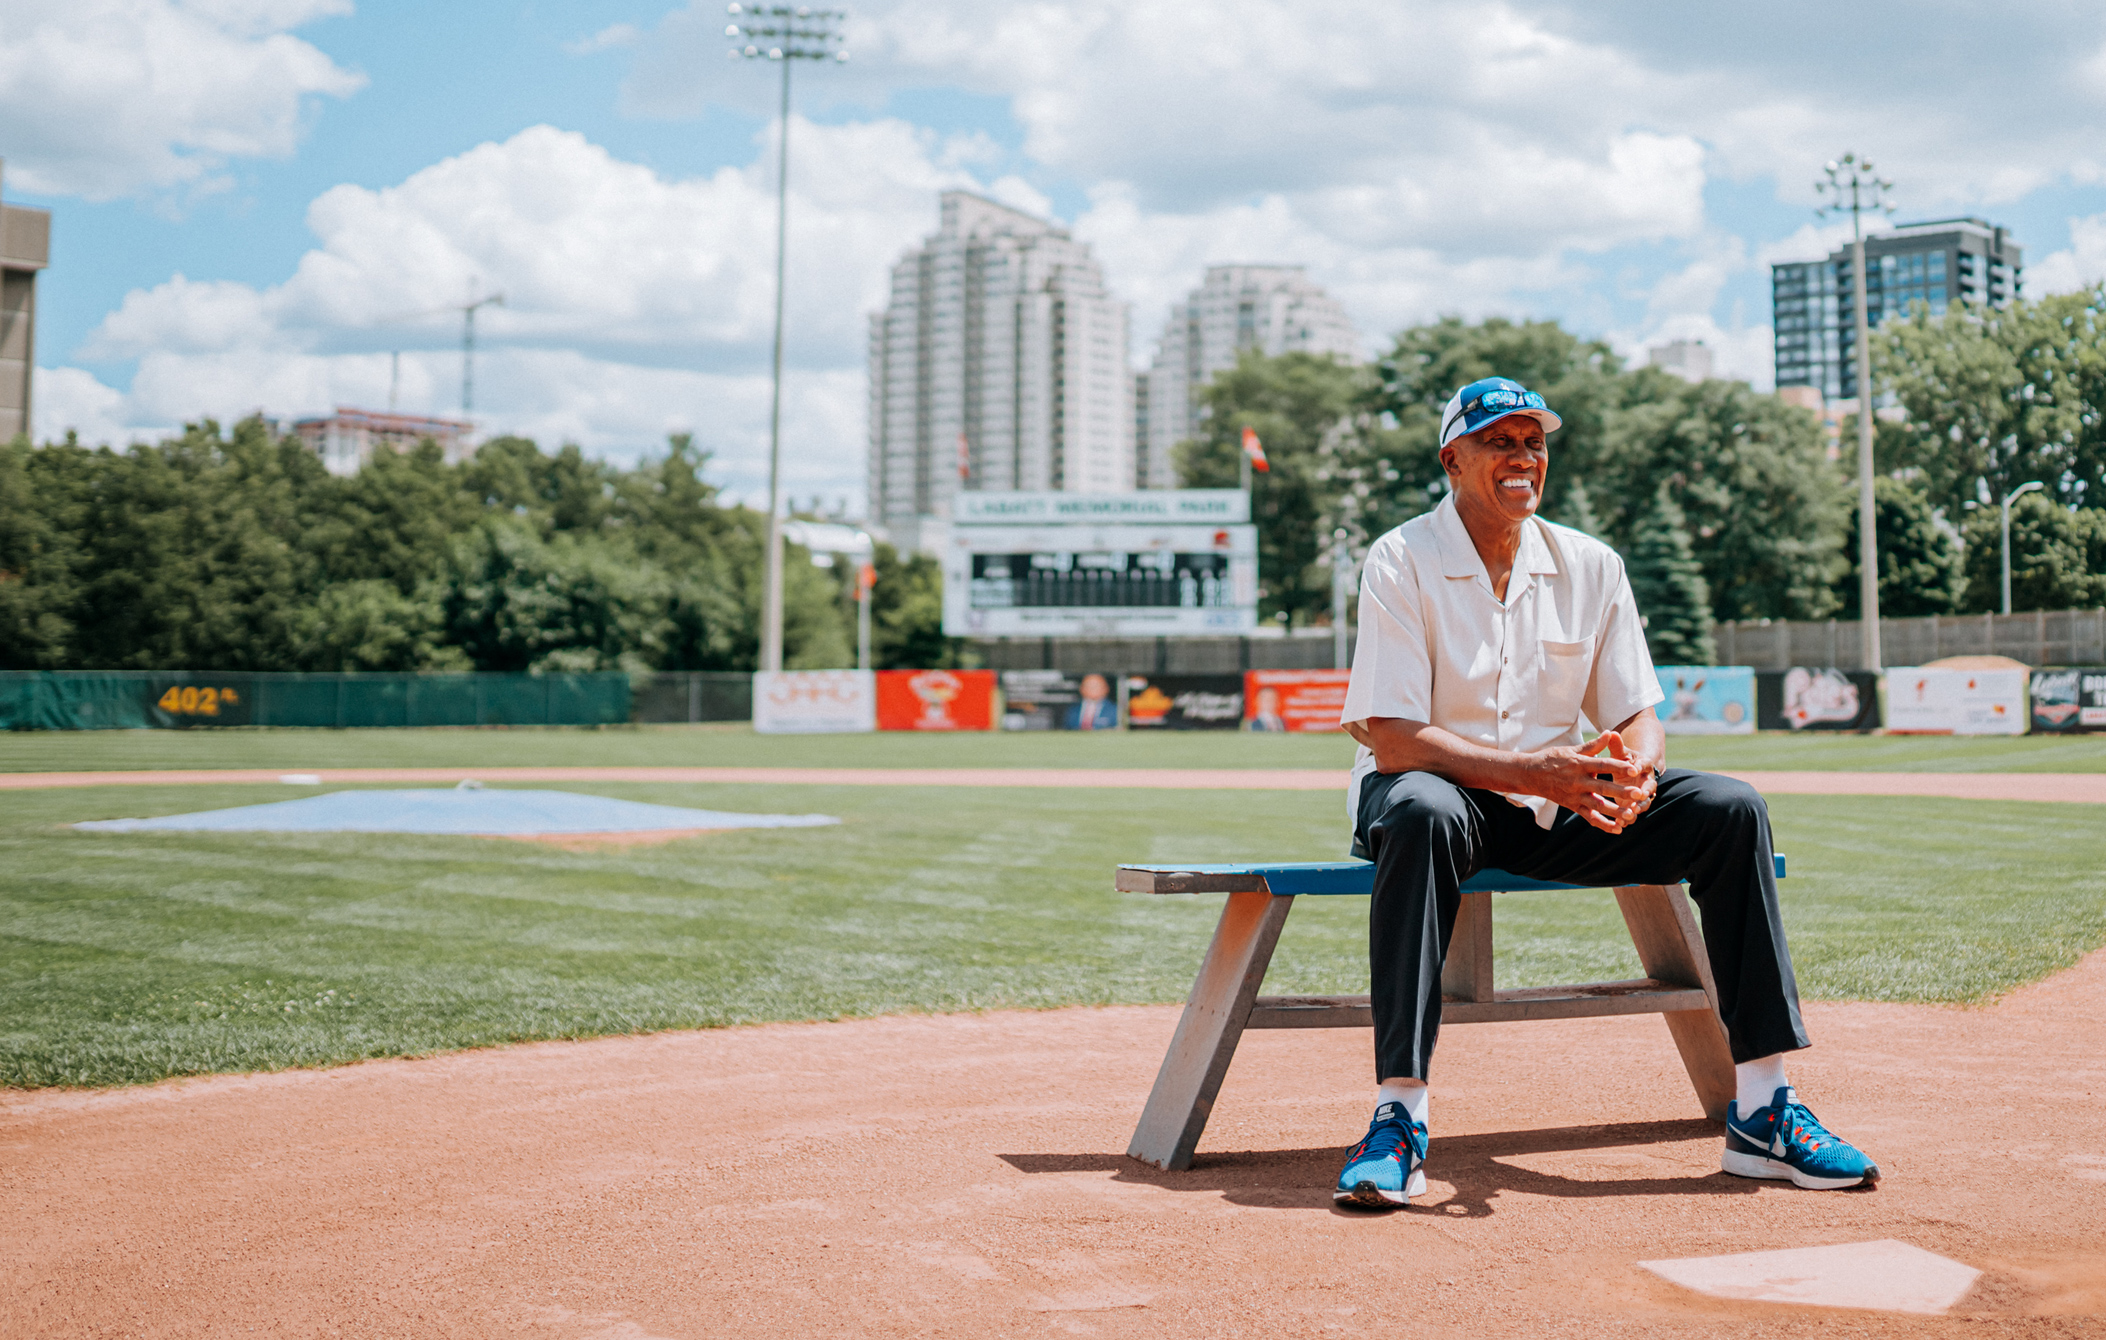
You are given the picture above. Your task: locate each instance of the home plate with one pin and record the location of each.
(1885, 1276)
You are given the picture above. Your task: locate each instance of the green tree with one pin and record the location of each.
(1919, 561)
(191, 552)
(2058, 557)
(393, 521)
(1293, 401)
(41, 495)
(906, 614)
(512, 601)
(1766, 509)
(1669, 585)
(1579, 513)
(1995, 397)
(369, 625)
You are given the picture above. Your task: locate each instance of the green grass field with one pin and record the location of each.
(127, 958)
(734, 746)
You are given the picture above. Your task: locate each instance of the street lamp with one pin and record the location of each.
(1341, 597)
(1853, 177)
(785, 34)
(2013, 496)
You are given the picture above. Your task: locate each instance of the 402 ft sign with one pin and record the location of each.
(220, 701)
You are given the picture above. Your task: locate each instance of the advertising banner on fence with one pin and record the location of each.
(1294, 700)
(814, 702)
(1814, 698)
(935, 699)
(2070, 699)
(1956, 702)
(1058, 700)
(1707, 699)
(1184, 702)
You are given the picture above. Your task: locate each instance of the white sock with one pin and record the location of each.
(1757, 1081)
(1410, 1092)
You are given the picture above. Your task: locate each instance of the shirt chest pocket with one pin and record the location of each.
(1563, 671)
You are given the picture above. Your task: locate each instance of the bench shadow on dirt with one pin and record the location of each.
(1301, 1179)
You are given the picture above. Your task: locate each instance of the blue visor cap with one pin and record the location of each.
(1486, 402)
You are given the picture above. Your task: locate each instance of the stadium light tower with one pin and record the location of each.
(1854, 187)
(785, 34)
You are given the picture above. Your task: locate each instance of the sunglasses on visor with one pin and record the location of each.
(1499, 400)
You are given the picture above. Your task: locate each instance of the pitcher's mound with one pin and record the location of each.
(465, 811)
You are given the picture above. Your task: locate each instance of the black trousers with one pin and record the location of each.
(1427, 835)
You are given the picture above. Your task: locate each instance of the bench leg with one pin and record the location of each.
(1207, 1034)
(1664, 931)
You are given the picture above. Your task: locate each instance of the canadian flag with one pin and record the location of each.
(1254, 449)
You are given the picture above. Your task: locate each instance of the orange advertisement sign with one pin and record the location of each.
(1294, 700)
(935, 699)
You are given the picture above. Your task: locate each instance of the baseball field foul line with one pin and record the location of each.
(2078, 787)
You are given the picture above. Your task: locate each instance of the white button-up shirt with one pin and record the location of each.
(1437, 646)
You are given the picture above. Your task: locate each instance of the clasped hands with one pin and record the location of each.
(1599, 781)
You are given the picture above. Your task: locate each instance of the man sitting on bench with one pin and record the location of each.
(1485, 634)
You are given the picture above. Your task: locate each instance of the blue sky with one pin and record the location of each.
(316, 170)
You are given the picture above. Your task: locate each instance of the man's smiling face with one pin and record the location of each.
(1498, 471)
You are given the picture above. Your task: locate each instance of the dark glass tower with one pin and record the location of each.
(1937, 263)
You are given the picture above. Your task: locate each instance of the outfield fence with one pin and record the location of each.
(692, 696)
(130, 699)
(2036, 637)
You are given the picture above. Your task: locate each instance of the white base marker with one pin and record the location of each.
(1882, 1276)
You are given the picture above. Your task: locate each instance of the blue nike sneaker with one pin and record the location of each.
(1385, 1169)
(1784, 1141)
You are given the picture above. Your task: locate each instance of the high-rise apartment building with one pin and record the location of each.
(999, 363)
(1938, 263)
(1273, 309)
(25, 248)
(1688, 359)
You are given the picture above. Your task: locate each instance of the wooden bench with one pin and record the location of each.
(1225, 1000)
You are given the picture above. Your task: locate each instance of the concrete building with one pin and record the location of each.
(1688, 359)
(999, 363)
(1273, 309)
(25, 248)
(1937, 263)
(347, 439)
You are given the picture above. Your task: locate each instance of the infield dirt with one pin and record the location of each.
(964, 1176)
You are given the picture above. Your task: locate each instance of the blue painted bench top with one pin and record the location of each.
(1319, 877)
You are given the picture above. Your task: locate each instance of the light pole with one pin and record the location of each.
(2009, 498)
(1341, 593)
(1853, 177)
(786, 34)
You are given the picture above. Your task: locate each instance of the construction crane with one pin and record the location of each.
(467, 310)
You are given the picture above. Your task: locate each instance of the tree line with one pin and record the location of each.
(236, 550)
(1726, 503)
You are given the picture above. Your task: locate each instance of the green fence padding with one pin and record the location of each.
(186, 699)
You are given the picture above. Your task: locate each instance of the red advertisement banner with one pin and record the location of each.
(935, 699)
(1294, 700)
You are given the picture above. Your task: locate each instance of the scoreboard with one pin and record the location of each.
(1098, 571)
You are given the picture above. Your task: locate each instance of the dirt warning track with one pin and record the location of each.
(2077, 787)
(964, 1176)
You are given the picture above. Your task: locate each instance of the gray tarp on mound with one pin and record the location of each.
(467, 812)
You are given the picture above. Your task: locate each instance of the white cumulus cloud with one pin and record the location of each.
(106, 98)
